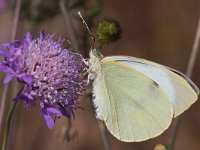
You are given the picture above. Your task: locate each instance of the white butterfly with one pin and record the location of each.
(136, 98)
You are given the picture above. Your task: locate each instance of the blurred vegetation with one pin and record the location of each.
(45, 10)
(108, 31)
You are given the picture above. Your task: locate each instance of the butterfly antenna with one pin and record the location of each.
(90, 33)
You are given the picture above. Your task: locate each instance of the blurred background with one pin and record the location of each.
(161, 31)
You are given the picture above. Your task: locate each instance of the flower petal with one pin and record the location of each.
(65, 112)
(42, 105)
(6, 68)
(3, 53)
(49, 121)
(11, 47)
(6, 45)
(17, 42)
(20, 97)
(28, 37)
(26, 78)
(8, 78)
(42, 34)
(54, 111)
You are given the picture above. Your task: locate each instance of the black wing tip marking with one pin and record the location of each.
(155, 83)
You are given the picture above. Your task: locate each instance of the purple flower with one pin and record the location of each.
(52, 75)
(2, 4)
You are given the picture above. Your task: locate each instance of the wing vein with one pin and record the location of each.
(109, 94)
(145, 111)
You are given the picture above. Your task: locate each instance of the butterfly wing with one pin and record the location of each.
(181, 90)
(133, 106)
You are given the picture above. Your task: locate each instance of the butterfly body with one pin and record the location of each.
(135, 98)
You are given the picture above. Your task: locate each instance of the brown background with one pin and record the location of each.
(161, 31)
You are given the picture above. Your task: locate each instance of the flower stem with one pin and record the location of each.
(69, 27)
(104, 135)
(8, 123)
(12, 37)
(190, 67)
(15, 20)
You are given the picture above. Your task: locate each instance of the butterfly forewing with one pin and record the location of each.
(133, 106)
(181, 90)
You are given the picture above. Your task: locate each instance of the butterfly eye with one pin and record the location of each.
(92, 76)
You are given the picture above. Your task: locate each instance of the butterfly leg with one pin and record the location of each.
(91, 77)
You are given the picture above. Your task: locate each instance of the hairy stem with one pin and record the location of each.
(34, 13)
(104, 135)
(8, 123)
(69, 27)
(15, 20)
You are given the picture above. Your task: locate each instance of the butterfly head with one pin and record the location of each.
(94, 53)
(94, 63)
(95, 57)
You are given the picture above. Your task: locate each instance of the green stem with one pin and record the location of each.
(8, 123)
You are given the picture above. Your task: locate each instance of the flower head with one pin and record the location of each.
(52, 74)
